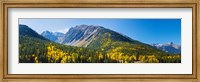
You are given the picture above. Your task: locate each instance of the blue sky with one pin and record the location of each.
(144, 30)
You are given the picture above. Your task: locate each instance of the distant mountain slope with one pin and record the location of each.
(49, 35)
(55, 37)
(31, 44)
(100, 38)
(168, 47)
(83, 35)
(26, 31)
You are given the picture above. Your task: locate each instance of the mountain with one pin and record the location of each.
(112, 44)
(96, 44)
(100, 38)
(83, 35)
(55, 37)
(49, 35)
(168, 47)
(93, 37)
(24, 30)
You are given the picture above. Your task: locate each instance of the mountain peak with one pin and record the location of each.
(58, 33)
(24, 30)
(46, 32)
(170, 43)
(84, 27)
(169, 47)
(23, 26)
(83, 35)
(53, 36)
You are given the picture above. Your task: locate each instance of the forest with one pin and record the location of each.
(33, 50)
(107, 47)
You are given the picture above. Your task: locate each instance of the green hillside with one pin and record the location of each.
(108, 47)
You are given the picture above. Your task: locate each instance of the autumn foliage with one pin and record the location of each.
(33, 50)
